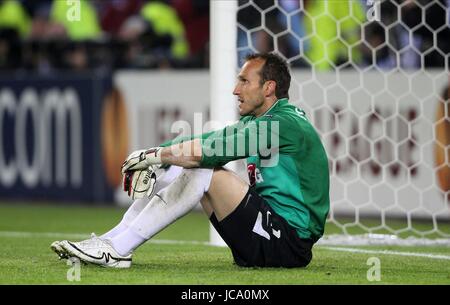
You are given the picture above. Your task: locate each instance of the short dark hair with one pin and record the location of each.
(276, 69)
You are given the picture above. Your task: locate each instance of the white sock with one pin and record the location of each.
(169, 204)
(119, 228)
(138, 205)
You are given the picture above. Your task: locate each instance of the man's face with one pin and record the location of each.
(248, 90)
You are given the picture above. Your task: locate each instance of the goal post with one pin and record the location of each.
(223, 65)
(374, 81)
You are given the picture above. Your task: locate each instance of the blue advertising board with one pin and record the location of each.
(50, 138)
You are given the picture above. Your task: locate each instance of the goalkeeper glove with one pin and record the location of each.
(142, 159)
(140, 183)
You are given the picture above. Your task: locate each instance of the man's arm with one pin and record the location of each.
(229, 144)
(186, 154)
(211, 149)
(187, 151)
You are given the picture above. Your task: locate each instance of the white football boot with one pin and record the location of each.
(96, 251)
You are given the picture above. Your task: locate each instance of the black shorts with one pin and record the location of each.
(257, 236)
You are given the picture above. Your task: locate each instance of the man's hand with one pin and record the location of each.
(140, 183)
(142, 159)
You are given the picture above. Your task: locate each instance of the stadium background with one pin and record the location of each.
(77, 97)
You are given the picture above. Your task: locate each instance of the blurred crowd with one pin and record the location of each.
(47, 35)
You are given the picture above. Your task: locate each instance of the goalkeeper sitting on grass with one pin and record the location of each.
(273, 222)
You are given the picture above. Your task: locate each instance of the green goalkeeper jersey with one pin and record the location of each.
(286, 163)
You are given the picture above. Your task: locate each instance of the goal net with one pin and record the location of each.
(373, 78)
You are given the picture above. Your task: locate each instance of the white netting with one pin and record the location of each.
(373, 78)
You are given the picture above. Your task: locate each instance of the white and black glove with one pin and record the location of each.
(140, 183)
(142, 159)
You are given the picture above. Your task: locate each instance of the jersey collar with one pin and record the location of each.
(277, 104)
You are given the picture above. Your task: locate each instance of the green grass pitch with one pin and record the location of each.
(26, 231)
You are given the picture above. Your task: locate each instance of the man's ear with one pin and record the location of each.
(270, 87)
